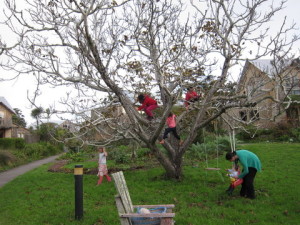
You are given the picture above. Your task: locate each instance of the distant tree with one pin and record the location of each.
(18, 118)
(36, 114)
(120, 48)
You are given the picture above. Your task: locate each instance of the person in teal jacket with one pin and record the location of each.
(251, 164)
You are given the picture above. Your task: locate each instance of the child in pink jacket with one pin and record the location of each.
(171, 122)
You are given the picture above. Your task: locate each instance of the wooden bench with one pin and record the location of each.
(126, 209)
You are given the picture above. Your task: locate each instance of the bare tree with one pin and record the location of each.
(121, 48)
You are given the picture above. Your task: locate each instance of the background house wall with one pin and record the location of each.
(257, 81)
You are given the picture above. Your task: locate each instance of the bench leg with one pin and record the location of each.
(166, 221)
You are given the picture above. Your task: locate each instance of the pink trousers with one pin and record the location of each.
(148, 110)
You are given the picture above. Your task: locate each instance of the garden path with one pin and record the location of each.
(11, 174)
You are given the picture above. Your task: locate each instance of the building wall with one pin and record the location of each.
(256, 85)
(5, 121)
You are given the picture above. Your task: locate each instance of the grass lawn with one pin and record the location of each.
(41, 197)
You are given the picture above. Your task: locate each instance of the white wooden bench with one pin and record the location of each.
(126, 209)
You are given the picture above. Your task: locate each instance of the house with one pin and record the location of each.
(7, 128)
(6, 113)
(262, 79)
(69, 126)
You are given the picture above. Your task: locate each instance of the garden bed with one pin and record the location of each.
(58, 167)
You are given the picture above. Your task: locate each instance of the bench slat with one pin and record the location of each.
(126, 209)
(148, 215)
(154, 206)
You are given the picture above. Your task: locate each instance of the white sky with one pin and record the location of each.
(15, 92)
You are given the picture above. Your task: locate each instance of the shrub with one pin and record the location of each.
(121, 154)
(12, 143)
(223, 143)
(6, 158)
(19, 143)
(41, 149)
(296, 134)
(74, 156)
(196, 152)
(142, 152)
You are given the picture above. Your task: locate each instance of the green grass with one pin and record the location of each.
(41, 197)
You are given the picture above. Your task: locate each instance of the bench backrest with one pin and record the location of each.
(123, 192)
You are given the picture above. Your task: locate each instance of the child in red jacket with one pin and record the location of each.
(148, 105)
(190, 96)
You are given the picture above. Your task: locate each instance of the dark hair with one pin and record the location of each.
(229, 155)
(141, 98)
(170, 114)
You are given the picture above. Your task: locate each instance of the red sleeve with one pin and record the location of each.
(188, 96)
(142, 106)
(147, 102)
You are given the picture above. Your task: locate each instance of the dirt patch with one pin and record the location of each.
(58, 167)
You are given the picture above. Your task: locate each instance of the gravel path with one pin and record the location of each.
(9, 175)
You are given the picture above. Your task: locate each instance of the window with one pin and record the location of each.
(243, 115)
(1, 114)
(254, 115)
(295, 92)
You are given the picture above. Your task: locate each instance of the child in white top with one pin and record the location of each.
(234, 180)
(102, 168)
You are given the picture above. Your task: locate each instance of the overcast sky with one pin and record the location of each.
(15, 92)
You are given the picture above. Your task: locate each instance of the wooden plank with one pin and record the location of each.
(122, 189)
(154, 206)
(121, 210)
(149, 215)
(126, 209)
(126, 192)
(166, 221)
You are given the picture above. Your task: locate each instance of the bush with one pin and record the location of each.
(121, 154)
(12, 143)
(196, 152)
(40, 150)
(19, 143)
(6, 158)
(223, 143)
(74, 156)
(142, 152)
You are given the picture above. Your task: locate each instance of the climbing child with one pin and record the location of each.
(234, 180)
(148, 105)
(190, 96)
(171, 122)
(102, 168)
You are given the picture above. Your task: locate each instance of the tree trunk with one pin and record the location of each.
(171, 164)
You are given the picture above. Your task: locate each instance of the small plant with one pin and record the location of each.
(74, 156)
(143, 152)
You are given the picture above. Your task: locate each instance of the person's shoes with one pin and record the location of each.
(149, 118)
(162, 141)
(250, 197)
(243, 195)
(230, 190)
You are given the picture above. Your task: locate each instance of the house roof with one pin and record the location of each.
(4, 102)
(268, 66)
